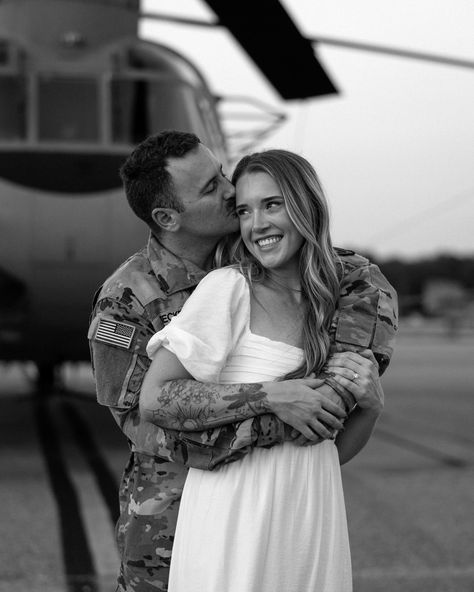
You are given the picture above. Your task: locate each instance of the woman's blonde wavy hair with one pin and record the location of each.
(308, 210)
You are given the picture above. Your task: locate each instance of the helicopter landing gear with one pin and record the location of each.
(47, 377)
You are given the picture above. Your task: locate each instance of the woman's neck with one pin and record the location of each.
(289, 281)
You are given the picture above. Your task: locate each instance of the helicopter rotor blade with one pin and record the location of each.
(393, 51)
(272, 40)
(285, 57)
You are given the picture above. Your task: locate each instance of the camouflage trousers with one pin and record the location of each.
(149, 503)
(143, 579)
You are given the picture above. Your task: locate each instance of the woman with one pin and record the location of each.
(274, 521)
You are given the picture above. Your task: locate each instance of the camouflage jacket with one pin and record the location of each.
(135, 302)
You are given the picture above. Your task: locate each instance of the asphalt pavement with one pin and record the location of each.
(409, 493)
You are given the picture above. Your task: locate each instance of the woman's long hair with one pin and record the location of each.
(308, 210)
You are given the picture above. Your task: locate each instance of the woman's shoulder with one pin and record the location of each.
(230, 275)
(223, 291)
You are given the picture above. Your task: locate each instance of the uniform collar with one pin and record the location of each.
(173, 273)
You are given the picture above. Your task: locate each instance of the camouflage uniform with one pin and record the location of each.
(135, 302)
(367, 311)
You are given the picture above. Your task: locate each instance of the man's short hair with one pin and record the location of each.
(146, 179)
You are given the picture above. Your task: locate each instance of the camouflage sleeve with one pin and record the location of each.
(213, 448)
(118, 334)
(119, 368)
(367, 311)
(209, 449)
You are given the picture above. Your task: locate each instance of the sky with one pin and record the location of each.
(395, 148)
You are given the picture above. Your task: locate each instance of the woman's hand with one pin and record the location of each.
(320, 388)
(306, 406)
(358, 373)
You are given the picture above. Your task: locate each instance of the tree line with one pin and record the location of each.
(411, 278)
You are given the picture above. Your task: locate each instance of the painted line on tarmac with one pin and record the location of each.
(95, 484)
(421, 422)
(420, 449)
(413, 573)
(95, 514)
(103, 475)
(78, 563)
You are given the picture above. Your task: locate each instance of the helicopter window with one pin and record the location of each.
(12, 108)
(142, 106)
(68, 109)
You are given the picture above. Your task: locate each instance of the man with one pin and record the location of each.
(177, 186)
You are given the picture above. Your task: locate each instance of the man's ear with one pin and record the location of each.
(166, 219)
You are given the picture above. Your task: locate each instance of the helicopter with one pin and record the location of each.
(78, 90)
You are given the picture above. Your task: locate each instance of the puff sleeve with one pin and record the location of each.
(209, 325)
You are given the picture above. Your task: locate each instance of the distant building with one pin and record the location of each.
(451, 301)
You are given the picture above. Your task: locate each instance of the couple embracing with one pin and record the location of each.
(240, 409)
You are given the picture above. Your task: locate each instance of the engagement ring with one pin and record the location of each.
(356, 376)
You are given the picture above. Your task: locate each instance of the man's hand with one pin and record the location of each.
(358, 373)
(306, 406)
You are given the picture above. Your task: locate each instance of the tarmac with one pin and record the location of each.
(409, 494)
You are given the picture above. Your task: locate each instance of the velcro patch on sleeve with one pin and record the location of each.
(115, 333)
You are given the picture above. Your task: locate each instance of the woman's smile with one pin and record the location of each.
(266, 228)
(269, 241)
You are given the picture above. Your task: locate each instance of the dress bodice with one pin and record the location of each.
(257, 359)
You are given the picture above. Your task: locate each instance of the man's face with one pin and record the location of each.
(206, 194)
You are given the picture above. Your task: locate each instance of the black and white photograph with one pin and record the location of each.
(236, 296)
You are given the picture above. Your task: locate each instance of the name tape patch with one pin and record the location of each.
(166, 317)
(115, 333)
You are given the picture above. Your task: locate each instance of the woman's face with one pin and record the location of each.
(266, 228)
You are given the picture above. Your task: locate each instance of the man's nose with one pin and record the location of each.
(229, 191)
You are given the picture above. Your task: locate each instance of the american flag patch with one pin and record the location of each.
(115, 333)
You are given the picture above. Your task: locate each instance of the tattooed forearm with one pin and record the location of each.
(193, 406)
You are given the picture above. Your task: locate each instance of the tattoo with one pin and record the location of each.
(189, 405)
(248, 394)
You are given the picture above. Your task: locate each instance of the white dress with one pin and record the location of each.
(274, 521)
